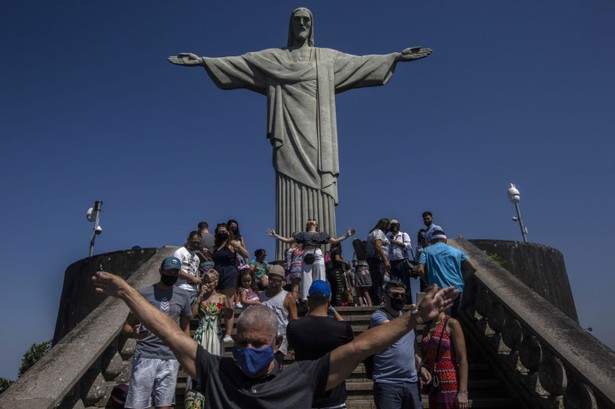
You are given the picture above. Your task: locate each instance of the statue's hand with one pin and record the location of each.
(413, 53)
(187, 59)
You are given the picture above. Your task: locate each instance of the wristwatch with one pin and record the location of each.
(416, 314)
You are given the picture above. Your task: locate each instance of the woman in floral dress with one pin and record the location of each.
(444, 363)
(209, 306)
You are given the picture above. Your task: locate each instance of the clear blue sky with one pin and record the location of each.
(516, 91)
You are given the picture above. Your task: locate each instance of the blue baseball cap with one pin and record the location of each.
(320, 288)
(171, 263)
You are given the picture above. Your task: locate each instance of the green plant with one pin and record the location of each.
(4, 384)
(33, 354)
(496, 258)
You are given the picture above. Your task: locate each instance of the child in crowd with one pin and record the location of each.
(247, 293)
(294, 263)
(260, 268)
(349, 297)
(363, 281)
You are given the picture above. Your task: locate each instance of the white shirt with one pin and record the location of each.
(190, 265)
(396, 252)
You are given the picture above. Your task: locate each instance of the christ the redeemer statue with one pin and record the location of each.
(300, 82)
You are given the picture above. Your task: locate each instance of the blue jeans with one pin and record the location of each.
(399, 395)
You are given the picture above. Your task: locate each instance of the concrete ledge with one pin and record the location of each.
(74, 307)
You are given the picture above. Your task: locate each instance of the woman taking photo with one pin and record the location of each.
(444, 363)
(313, 267)
(225, 260)
(232, 227)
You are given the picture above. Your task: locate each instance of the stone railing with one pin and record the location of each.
(547, 358)
(80, 370)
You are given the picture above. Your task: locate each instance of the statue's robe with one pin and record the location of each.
(301, 123)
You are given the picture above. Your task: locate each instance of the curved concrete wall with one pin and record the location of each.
(540, 267)
(78, 298)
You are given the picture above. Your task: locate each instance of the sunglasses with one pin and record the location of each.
(396, 295)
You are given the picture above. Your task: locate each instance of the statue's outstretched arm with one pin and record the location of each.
(413, 53)
(186, 59)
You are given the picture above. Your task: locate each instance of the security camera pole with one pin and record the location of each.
(93, 215)
(514, 196)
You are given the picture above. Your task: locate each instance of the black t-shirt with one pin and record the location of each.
(336, 250)
(311, 238)
(226, 387)
(312, 337)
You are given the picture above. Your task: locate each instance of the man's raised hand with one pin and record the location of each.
(437, 299)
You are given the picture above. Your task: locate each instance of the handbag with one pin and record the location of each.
(309, 259)
(405, 267)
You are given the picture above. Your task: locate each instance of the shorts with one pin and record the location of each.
(152, 378)
(362, 278)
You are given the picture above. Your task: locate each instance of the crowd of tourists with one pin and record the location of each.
(211, 275)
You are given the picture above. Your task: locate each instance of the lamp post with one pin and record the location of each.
(514, 196)
(93, 215)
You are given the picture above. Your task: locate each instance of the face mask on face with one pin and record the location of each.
(254, 362)
(168, 280)
(397, 303)
(194, 245)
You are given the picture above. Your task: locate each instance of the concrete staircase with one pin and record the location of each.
(486, 389)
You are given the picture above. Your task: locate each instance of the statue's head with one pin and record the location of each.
(301, 27)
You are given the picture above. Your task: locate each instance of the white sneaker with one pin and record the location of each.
(228, 338)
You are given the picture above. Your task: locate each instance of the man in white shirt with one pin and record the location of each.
(400, 248)
(189, 279)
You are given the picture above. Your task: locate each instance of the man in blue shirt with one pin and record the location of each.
(396, 385)
(445, 266)
(430, 226)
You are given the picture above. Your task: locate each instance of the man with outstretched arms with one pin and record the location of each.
(252, 379)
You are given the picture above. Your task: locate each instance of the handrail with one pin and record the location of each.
(546, 356)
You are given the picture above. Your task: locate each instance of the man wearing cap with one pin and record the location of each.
(283, 303)
(400, 247)
(154, 367)
(316, 334)
(445, 266)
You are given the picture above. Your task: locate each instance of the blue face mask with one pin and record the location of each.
(254, 362)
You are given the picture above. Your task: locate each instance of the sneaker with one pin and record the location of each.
(228, 338)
